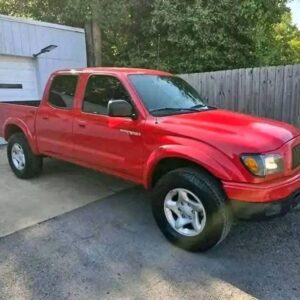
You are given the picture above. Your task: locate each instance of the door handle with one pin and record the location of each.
(45, 117)
(82, 124)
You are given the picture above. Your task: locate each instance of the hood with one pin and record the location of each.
(225, 129)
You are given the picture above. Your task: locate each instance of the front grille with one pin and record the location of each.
(296, 156)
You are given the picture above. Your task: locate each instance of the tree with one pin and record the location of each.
(282, 45)
(205, 35)
(175, 35)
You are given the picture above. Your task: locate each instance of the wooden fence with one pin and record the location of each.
(272, 92)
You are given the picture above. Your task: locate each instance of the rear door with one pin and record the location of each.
(54, 122)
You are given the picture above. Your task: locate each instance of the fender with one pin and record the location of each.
(24, 127)
(211, 159)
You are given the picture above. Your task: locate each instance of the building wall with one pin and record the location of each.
(22, 37)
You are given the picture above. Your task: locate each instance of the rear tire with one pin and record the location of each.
(21, 159)
(194, 198)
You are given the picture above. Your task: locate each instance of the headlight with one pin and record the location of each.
(263, 165)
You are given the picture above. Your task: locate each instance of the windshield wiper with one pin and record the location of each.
(199, 106)
(174, 109)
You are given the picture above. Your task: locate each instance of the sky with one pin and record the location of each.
(295, 8)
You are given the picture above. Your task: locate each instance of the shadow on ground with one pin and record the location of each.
(113, 249)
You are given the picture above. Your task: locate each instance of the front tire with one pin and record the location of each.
(21, 159)
(191, 209)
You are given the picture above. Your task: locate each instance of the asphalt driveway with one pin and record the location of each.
(111, 249)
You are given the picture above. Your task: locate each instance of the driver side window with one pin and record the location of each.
(100, 90)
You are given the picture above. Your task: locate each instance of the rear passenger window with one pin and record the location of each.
(62, 91)
(100, 90)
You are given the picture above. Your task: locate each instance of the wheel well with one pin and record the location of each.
(10, 130)
(169, 164)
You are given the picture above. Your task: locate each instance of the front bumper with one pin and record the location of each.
(263, 192)
(259, 201)
(258, 211)
(268, 198)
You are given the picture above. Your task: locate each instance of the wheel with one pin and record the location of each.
(21, 159)
(191, 209)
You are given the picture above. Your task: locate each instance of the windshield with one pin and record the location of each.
(164, 95)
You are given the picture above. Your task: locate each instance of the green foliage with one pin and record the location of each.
(282, 45)
(210, 35)
(177, 35)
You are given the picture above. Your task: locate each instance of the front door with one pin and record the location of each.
(103, 142)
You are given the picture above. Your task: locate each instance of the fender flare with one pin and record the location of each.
(207, 157)
(24, 128)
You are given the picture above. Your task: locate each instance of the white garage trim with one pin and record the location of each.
(18, 79)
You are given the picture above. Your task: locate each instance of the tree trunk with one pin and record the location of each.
(94, 43)
(97, 43)
(89, 44)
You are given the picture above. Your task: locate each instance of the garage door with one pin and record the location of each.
(18, 80)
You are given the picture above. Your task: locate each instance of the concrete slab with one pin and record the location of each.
(112, 249)
(62, 187)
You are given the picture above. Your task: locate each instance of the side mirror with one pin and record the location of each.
(120, 108)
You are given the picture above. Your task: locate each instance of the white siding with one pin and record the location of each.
(19, 37)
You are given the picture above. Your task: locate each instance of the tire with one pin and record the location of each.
(206, 199)
(31, 164)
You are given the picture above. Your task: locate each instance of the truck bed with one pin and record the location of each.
(23, 111)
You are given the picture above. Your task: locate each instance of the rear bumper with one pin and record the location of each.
(259, 211)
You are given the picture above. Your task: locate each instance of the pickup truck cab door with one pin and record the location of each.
(54, 123)
(112, 144)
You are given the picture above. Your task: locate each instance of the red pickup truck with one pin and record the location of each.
(203, 165)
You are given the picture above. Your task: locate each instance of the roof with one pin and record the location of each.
(112, 70)
(39, 23)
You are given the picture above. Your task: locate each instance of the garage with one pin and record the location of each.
(18, 79)
(30, 51)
